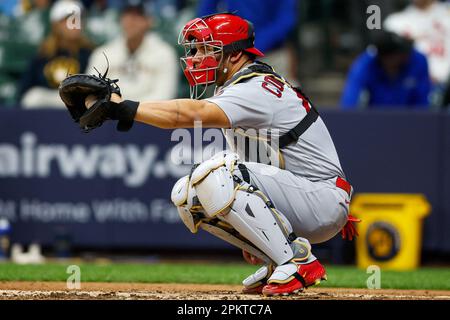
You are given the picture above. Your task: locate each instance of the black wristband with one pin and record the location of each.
(125, 113)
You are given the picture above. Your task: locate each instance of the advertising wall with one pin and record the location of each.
(109, 189)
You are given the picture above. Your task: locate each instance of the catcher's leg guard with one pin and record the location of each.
(254, 218)
(227, 233)
(246, 209)
(192, 214)
(255, 282)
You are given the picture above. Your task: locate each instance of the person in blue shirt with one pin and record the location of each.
(390, 74)
(7, 7)
(273, 21)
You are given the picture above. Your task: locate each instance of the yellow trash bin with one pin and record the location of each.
(390, 234)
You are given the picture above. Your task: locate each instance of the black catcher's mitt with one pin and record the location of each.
(73, 91)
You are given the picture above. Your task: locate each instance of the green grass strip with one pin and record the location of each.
(338, 276)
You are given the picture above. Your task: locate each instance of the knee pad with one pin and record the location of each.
(214, 183)
(185, 199)
(208, 191)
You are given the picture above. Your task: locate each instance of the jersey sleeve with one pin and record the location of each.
(245, 104)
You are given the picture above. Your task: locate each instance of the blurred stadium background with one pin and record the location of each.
(107, 194)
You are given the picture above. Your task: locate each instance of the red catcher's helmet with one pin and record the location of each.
(206, 40)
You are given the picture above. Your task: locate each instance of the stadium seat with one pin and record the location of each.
(15, 55)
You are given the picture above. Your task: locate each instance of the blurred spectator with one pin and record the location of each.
(32, 21)
(427, 22)
(102, 22)
(273, 21)
(64, 51)
(146, 66)
(21, 34)
(389, 74)
(167, 19)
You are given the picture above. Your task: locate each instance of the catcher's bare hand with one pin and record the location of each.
(90, 100)
(116, 98)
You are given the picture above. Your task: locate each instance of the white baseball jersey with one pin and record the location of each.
(273, 109)
(430, 30)
(305, 191)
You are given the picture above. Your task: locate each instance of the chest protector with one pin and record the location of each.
(253, 154)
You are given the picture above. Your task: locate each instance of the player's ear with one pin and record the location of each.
(235, 56)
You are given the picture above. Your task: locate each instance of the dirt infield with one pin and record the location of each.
(126, 291)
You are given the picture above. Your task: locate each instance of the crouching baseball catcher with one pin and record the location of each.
(273, 211)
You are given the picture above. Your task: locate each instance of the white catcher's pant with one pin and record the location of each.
(317, 211)
(266, 216)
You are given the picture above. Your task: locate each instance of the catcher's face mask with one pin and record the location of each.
(206, 40)
(203, 56)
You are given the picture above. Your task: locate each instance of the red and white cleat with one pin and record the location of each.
(292, 278)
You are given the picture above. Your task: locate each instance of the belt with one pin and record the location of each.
(344, 185)
(340, 183)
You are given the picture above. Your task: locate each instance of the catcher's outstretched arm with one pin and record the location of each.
(178, 113)
(92, 100)
(181, 113)
(169, 114)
